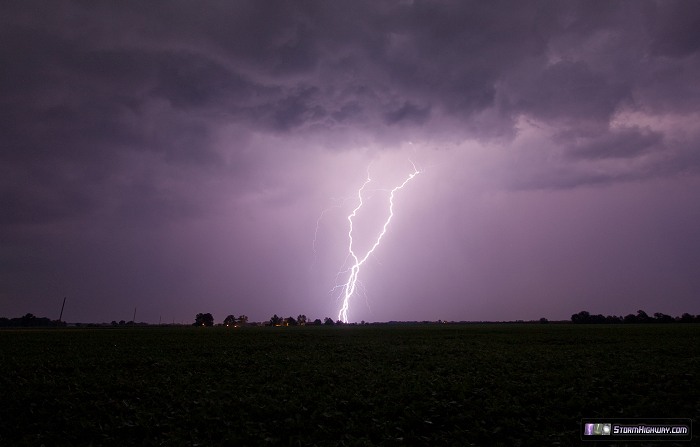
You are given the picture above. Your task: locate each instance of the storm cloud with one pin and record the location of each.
(176, 156)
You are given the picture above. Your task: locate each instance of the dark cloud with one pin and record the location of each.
(571, 91)
(408, 113)
(619, 143)
(189, 81)
(675, 30)
(294, 110)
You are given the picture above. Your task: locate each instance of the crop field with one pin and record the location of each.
(482, 385)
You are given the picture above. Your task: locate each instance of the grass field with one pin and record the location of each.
(484, 385)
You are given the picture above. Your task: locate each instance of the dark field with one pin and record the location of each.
(482, 385)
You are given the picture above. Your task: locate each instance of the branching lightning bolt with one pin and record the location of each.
(350, 286)
(318, 223)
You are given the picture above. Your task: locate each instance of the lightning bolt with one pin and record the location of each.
(350, 286)
(318, 224)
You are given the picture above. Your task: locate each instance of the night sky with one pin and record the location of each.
(183, 157)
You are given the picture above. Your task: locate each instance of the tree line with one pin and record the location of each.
(207, 319)
(584, 317)
(28, 320)
(201, 319)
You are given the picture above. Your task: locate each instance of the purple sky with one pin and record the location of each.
(176, 157)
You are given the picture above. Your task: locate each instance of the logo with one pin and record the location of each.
(598, 429)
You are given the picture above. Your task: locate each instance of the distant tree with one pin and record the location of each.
(204, 320)
(663, 318)
(328, 321)
(338, 323)
(581, 317)
(114, 323)
(585, 317)
(43, 321)
(317, 322)
(290, 321)
(642, 317)
(597, 319)
(301, 320)
(28, 320)
(543, 320)
(242, 320)
(686, 318)
(229, 320)
(630, 319)
(122, 323)
(275, 320)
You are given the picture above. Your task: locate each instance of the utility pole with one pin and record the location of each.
(133, 320)
(60, 317)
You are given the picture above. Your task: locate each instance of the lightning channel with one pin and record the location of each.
(350, 287)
